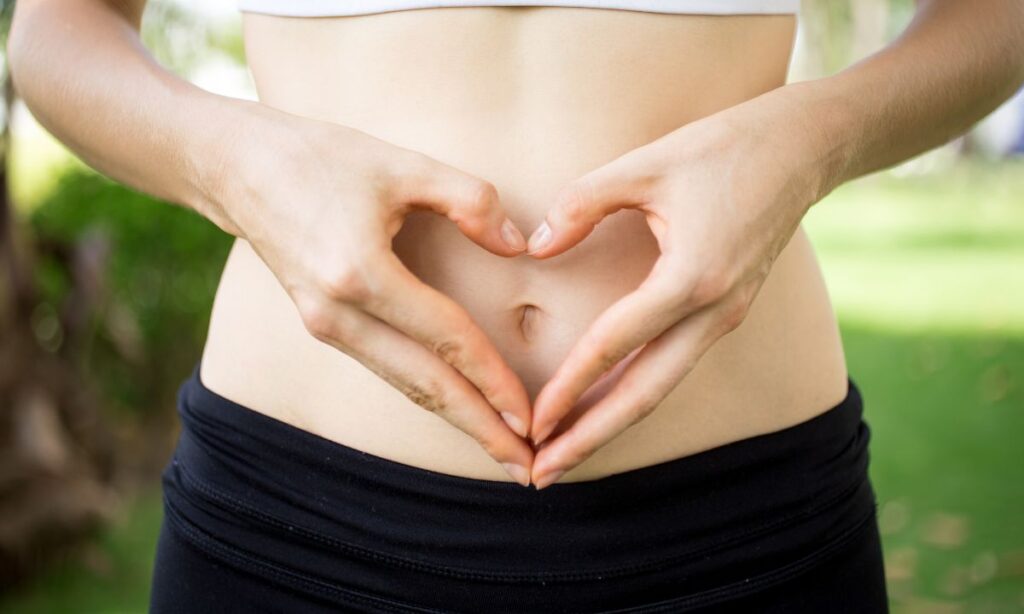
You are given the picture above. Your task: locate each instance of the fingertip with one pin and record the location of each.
(518, 472)
(514, 423)
(512, 403)
(512, 237)
(546, 470)
(540, 239)
(543, 420)
(550, 239)
(548, 479)
(542, 433)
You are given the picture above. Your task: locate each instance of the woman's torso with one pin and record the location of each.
(528, 99)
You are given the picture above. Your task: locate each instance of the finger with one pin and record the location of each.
(443, 326)
(583, 203)
(629, 323)
(649, 378)
(470, 202)
(426, 380)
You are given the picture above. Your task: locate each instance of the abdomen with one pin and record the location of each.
(529, 99)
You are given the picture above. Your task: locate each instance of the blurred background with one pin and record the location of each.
(105, 295)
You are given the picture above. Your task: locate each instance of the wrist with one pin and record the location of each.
(827, 129)
(223, 154)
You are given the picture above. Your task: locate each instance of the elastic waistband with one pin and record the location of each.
(279, 491)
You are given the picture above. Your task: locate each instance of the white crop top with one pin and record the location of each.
(323, 8)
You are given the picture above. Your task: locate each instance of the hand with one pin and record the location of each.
(722, 196)
(320, 204)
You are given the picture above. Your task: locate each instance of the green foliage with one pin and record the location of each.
(109, 576)
(163, 266)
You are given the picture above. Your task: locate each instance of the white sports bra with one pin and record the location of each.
(323, 8)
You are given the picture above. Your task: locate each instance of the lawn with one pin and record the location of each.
(927, 275)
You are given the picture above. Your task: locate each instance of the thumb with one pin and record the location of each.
(583, 203)
(472, 203)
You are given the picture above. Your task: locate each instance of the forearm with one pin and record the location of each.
(82, 70)
(955, 63)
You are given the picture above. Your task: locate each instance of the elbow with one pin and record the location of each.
(31, 66)
(21, 48)
(13, 50)
(1016, 55)
(1014, 42)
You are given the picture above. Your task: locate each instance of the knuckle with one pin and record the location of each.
(346, 282)
(481, 195)
(578, 455)
(574, 200)
(608, 357)
(428, 395)
(318, 318)
(487, 441)
(676, 283)
(734, 316)
(642, 405)
(709, 287)
(449, 350)
(410, 167)
(603, 350)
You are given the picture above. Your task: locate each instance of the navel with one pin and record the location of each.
(528, 315)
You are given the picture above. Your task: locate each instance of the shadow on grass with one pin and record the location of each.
(947, 416)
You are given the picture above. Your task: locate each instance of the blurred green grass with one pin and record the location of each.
(937, 252)
(927, 276)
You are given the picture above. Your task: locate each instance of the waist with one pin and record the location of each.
(261, 494)
(782, 365)
(526, 100)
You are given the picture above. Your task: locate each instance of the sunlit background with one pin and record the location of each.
(105, 295)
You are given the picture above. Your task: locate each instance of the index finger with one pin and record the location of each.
(427, 381)
(443, 326)
(648, 379)
(629, 323)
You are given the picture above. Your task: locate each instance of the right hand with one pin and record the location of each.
(320, 204)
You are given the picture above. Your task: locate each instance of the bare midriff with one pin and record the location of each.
(528, 99)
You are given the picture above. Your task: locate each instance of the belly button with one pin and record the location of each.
(527, 320)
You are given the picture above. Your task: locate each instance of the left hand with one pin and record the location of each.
(722, 196)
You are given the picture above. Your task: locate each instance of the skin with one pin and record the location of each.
(788, 146)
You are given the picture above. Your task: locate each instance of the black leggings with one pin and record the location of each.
(261, 516)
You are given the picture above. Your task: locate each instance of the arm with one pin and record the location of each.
(81, 68)
(953, 65)
(325, 233)
(782, 152)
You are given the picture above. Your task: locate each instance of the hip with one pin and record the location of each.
(261, 516)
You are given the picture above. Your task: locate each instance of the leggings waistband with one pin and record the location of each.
(246, 482)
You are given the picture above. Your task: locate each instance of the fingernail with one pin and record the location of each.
(539, 239)
(518, 473)
(513, 238)
(541, 436)
(548, 479)
(514, 423)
